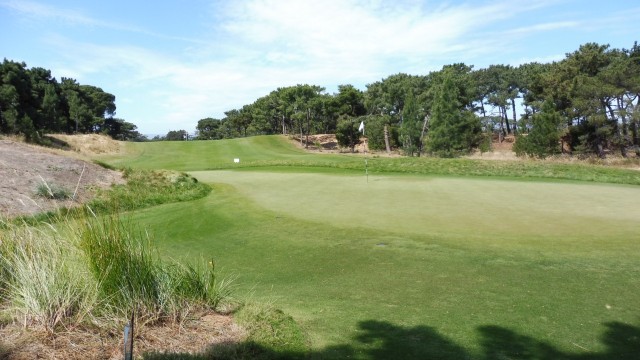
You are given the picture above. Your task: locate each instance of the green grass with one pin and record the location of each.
(52, 191)
(348, 265)
(431, 258)
(277, 153)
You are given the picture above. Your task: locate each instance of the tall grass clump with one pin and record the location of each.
(43, 283)
(132, 277)
(90, 270)
(52, 191)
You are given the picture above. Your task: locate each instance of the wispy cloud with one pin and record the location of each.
(255, 46)
(264, 44)
(72, 17)
(546, 27)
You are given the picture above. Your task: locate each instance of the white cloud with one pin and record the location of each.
(73, 17)
(256, 46)
(546, 27)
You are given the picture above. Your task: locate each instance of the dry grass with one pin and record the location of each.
(192, 336)
(91, 144)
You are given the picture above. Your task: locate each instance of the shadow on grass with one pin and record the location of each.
(382, 340)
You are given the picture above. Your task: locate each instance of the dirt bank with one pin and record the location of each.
(24, 168)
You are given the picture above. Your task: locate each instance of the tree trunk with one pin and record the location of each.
(306, 141)
(501, 134)
(619, 132)
(625, 128)
(634, 134)
(386, 139)
(599, 147)
(515, 121)
(424, 128)
(284, 131)
(506, 119)
(634, 127)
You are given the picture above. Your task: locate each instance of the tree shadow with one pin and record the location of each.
(380, 340)
(388, 341)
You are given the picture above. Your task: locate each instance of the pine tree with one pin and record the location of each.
(410, 129)
(453, 129)
(544, 137)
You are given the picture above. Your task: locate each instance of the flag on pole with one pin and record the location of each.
(361, 128)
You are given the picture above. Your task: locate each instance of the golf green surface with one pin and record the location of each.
(408, 266)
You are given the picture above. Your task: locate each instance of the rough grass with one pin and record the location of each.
(144, 188)
(87, 270)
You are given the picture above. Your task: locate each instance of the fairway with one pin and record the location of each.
(415, 266)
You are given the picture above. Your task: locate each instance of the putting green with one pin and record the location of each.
(490, 212)
(460, 258)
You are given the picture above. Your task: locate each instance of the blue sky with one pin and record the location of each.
(171, 63)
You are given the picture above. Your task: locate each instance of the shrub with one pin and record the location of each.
(52, 191)
(347, 133)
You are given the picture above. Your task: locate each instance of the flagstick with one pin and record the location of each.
(366, 167)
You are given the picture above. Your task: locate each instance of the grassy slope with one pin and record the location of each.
(421, 267)
(276, 153)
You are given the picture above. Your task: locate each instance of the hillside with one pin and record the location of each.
(29, 172)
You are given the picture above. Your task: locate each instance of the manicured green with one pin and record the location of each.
(346, 262)
(465, 265)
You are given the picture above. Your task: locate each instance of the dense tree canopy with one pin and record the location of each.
(594, 93)
(34, 103)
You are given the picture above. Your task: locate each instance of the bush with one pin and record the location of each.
(43, 284)
(375, 132)
(52, 192)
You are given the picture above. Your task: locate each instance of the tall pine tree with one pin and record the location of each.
(453, 130)
(544, 137)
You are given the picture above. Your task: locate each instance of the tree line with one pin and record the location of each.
(585, 103)
(34, 103)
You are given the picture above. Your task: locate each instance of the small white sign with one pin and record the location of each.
(236, 160)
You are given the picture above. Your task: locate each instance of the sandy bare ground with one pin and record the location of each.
(23, 168)
(327, 144)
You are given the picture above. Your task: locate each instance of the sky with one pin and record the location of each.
(172, 63)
